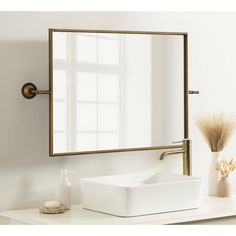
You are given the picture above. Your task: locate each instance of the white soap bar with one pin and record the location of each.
(52, 204)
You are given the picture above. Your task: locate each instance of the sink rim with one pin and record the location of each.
(102, 180)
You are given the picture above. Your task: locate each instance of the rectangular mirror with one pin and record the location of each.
(116, 91)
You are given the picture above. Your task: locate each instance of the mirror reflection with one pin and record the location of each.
(116, 91)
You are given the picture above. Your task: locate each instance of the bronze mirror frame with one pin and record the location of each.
(185, 84)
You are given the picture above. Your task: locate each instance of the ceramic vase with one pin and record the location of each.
(213, 174)
(223, 188)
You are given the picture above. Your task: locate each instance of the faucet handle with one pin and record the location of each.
(178, 142)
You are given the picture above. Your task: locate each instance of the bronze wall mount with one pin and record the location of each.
(29, 91)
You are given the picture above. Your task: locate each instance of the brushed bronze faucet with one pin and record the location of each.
(184, 149)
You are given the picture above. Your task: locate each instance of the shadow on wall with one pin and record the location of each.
(27, 174)
(24, 131)
(19, 200)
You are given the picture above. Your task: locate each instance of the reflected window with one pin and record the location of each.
(86, 86)
(59, 140)
(86, 116)
(108, 88)
(60, 85)
(87, 91)
(60, 46)
(86, 48)
(108, 51)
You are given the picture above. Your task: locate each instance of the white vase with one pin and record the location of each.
(213, 174)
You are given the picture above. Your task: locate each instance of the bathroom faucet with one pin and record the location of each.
(184, 149)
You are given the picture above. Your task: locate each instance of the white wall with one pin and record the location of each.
(27, 174)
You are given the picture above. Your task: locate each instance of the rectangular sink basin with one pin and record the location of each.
(140, 194)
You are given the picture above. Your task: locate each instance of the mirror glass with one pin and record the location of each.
(116, 91)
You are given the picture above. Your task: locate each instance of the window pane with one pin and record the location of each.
(108, 87)
(59, 142)
(59, 45)
(86, 142)
(108, 51)
(108, 117)
(86, 87)
(107, 141)
(86, 48)
(86, 117)
(59, 84)
(59, 116)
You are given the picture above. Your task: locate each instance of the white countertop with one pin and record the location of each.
(211, 208)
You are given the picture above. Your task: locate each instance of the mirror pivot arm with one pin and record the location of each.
(29, 91)
(193, 92)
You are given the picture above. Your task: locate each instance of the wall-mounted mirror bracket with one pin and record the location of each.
(193, 92)
(29, 91)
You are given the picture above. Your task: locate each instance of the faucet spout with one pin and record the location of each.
(185, 149)
(164, 154)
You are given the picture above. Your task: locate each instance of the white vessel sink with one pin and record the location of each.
(141, 194)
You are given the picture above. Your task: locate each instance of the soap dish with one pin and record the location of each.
(57, 210)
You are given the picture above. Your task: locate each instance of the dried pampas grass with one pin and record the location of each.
(225, 167)
(217, 130)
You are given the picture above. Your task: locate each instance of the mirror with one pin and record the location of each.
(116, 91)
